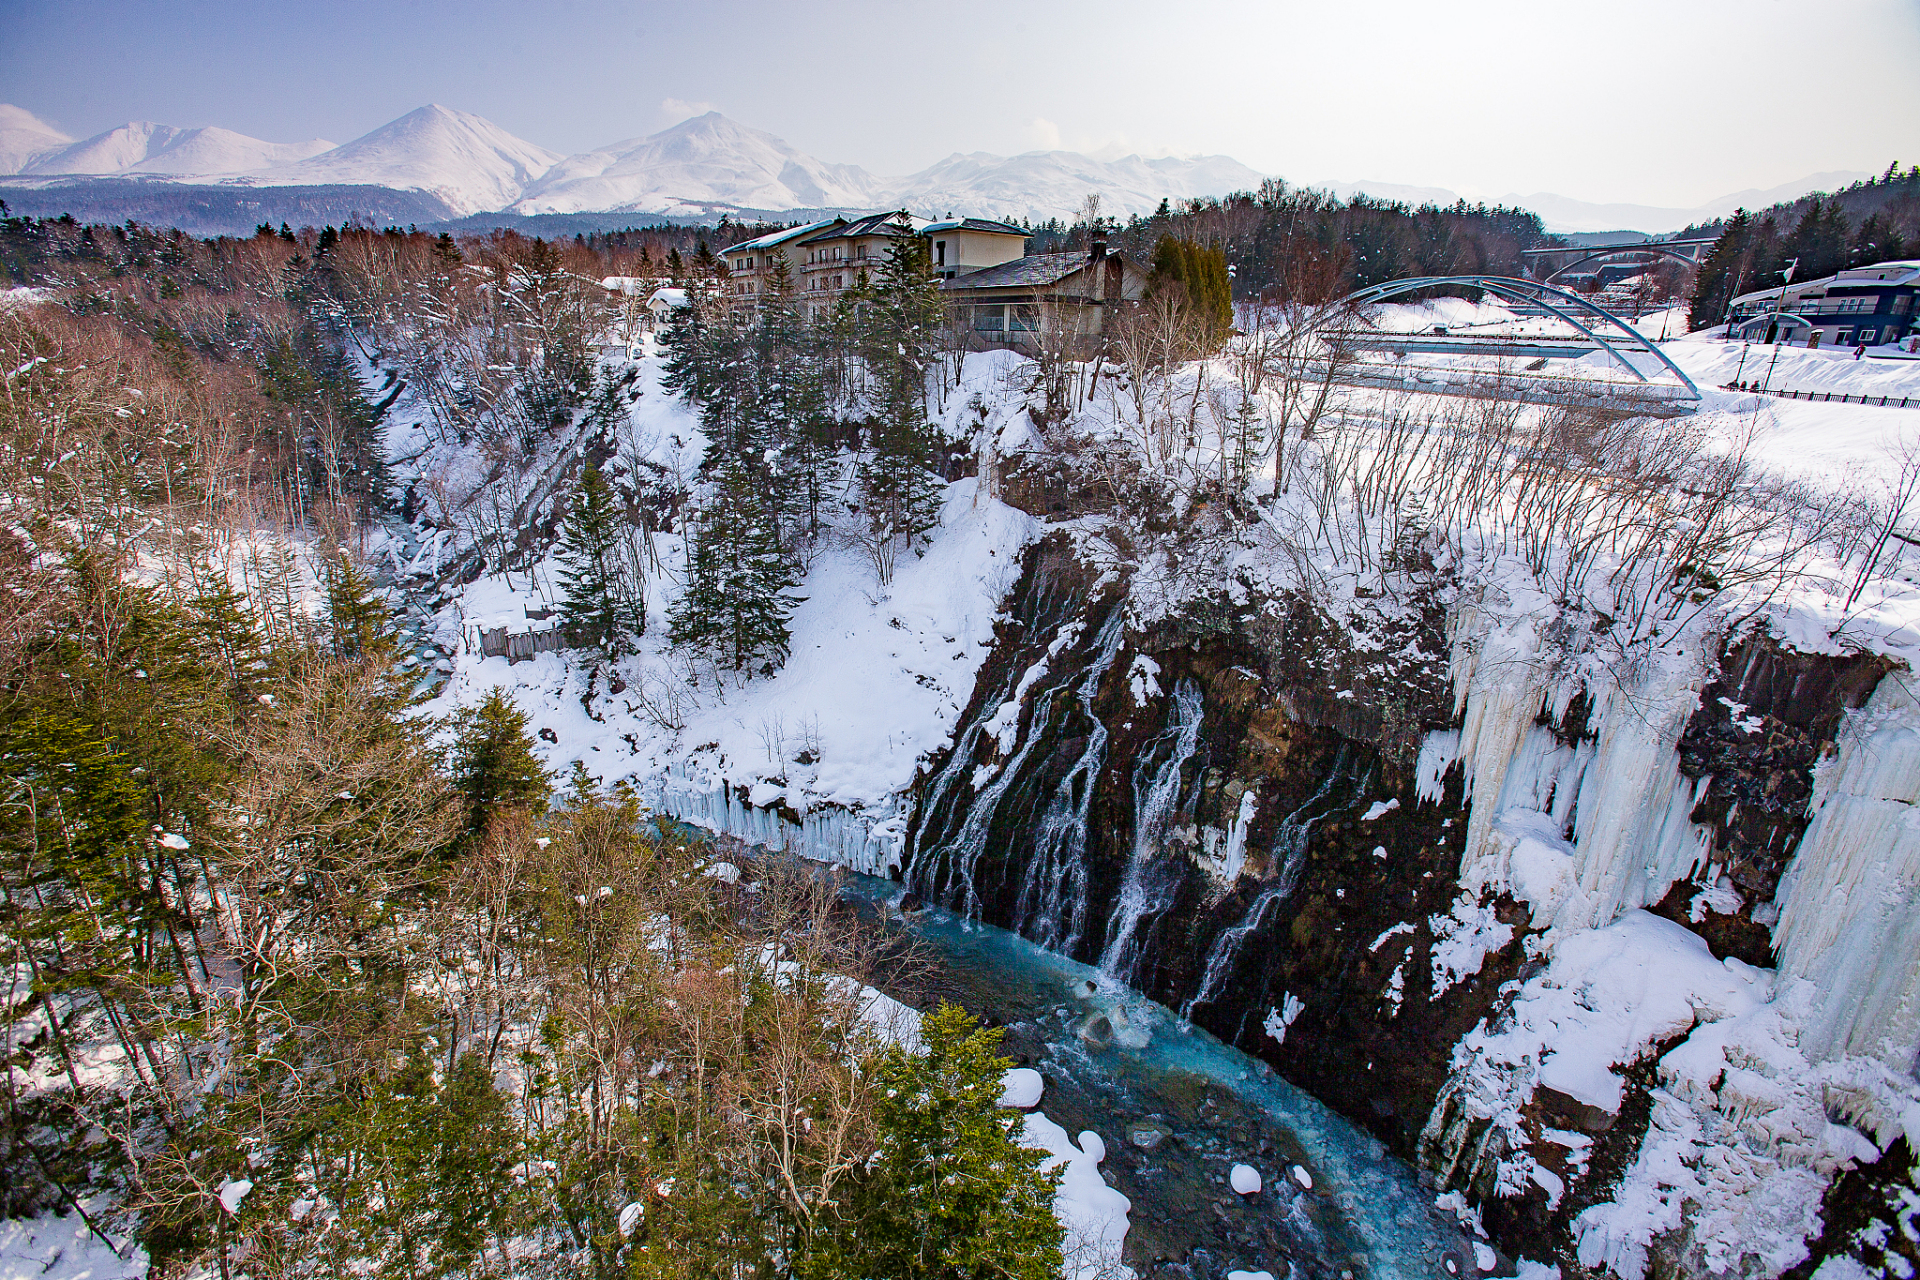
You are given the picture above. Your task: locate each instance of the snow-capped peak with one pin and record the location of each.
(25, 137)
(706, 161)
(142, 146)
(467, 161)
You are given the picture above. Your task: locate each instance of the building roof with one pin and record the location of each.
(874, 224)
(987, 225)
(668, 297)
(775, 238)
(1036, 270)
(1899, 273)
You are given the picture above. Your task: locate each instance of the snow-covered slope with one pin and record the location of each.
(141, 146)
(25, 137)
(470, 163)
(708, 160)
(1050, 184)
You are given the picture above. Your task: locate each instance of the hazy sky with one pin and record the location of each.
(1667, 102)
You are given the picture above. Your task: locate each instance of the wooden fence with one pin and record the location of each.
(520, 646)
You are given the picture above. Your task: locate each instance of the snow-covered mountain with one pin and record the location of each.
(712, 162)
(470, 163)
(700, 164)
(1049, 184)
(141, 146)
(25, 137)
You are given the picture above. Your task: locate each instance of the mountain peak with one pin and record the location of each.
(25, 138)
(12, 117)
(465, 160)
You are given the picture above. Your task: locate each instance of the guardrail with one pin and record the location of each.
(1884, 402)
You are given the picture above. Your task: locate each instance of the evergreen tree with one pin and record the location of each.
(1727, 271)
(952, 1193)
(359, 622)
(1819, 240)
(493, 763)
(736, 604)
(1199, 274)
(900, 330)
(599, 602)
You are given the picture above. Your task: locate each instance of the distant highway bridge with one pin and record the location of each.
(1546, 265)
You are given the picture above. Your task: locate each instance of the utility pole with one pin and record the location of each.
(1778, 302)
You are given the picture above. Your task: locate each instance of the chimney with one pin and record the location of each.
(1098, 252)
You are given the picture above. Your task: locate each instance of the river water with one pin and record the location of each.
(1176, 1110)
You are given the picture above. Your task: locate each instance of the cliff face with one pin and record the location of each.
(1327, 845)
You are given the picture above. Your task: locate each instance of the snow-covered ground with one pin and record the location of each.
(873, 686)
(64, 1247)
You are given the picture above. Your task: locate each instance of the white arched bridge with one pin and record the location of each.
(1508, 359)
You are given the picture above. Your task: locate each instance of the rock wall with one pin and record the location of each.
(1345, 853)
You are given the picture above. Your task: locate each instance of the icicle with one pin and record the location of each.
(1850, 901)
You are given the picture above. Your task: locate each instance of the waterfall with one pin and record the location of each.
(1290, 855)
(1053, 894)
(1051, 909)
(1148, 889)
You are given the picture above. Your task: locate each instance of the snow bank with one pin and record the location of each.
(1093, 1213)
(1021, 1087)
(61, 1247)
(1607, 996)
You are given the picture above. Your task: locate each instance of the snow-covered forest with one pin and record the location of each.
(488, 764)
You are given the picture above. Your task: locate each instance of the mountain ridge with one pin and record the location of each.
(710, 164)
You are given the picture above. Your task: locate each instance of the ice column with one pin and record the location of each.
(1850, 901)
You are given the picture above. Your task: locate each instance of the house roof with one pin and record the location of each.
(774, 238)
(1905, 272)
(1036, 270)
(874, 224)
(973, 224)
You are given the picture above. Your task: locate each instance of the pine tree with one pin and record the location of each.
(900, 335)
(1729, 269)
(952, 1193)
(599, 602)
(735, 605)
(493, 763)
(359, 622)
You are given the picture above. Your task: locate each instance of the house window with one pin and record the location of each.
(989, 319)
(1903, 304)
(1843, 337)
(1868, 337)
(1855, 304)
(1026, 317)
(939, 253)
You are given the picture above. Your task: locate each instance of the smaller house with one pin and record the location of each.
(663, 303)
(1861, 306)
(1008, 304)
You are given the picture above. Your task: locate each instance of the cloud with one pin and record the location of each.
(1044, 134)
(676, 110)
